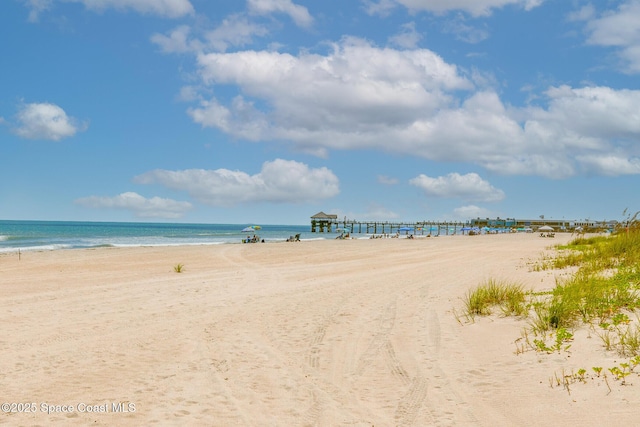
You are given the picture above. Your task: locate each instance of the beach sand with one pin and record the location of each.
(315, 333)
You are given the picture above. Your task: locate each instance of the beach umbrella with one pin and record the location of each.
(256, 227)
(248, 230)
(405, 229)
(545, 228)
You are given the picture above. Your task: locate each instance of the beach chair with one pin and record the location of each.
(297, 238)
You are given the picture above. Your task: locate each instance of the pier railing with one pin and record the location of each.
(434, 228)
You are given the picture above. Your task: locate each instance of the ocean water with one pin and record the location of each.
(52, 235)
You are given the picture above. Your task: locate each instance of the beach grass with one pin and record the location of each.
(604, 292)
(509, 297)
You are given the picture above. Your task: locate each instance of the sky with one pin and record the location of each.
(270, 111)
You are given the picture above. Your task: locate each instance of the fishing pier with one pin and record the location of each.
(327, 223)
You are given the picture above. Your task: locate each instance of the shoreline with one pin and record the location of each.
(332, 332)
(240, 240)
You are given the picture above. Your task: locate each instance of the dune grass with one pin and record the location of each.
(602, 293)
(510, 298)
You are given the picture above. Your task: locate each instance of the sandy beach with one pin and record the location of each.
(318, 333)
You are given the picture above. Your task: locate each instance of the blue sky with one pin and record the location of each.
(269, 111)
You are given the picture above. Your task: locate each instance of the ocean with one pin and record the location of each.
(53, 235)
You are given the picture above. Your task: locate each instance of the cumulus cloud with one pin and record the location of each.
(619, 29)
(142, 207)
(45, 121)
(299, 14)
(467, 187)
(612, 164)
(359, 96)
(472, 7)
(279, 181)
(343, 98)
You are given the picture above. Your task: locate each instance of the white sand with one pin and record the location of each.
(323, 333)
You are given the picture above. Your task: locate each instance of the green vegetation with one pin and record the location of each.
(178, 268)
(603, 293)
(618, 373)
(509, 297)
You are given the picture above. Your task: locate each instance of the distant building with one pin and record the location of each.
(558, 224)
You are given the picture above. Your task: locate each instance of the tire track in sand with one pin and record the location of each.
(379, 340)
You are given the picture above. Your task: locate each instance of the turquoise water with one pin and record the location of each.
(51, 235)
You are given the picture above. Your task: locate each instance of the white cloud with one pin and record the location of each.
(619, 29)
(387, 180)
(167, 8)
(342, 99)
(142, 207)
(45, 121)
(233, 31)
(471, 211)
(177, 41)
(36, 8)
(409, 102)
(299, 14)
(599, 112)
(611, 165)
(279, 181)
(473, 7)
(465, 32)
(467, 187)
(585, 13)
(408, 37)
(379, 7)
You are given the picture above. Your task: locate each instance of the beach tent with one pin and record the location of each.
(545, 228)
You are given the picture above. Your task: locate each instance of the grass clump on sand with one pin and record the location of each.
(178, 268)
(510, 298)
